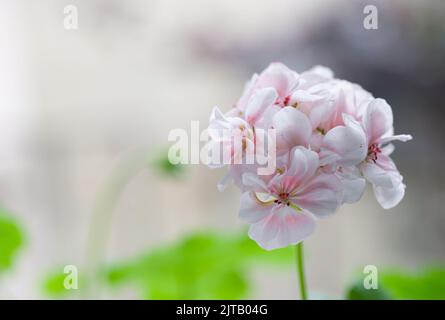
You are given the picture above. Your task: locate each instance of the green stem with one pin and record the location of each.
(102, 216)
(300, 270)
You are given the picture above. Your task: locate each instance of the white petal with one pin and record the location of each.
(353, 186)
(378, 120)
(376, 175)
(321, 71)
(317, 74)
(348, 142)
(388, 149)
(251, 209)
(399, 137)
(292, 128)
(321, 113)
(303, 96)
(221, 127)
(265, 121)
(260, 101)
(389, 197)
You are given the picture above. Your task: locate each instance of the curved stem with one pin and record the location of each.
(102, 215)
(300, 270)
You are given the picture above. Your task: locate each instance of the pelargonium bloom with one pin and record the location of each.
(331, 136)
(378, 168)
(277, 76)
(283, 211)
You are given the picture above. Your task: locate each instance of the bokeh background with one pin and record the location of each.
(84, 120)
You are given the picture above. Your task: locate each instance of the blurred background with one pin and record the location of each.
(84, 120)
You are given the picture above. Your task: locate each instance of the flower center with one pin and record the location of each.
(373, 151)
(283, 198)
(321, 131)
(283, 102)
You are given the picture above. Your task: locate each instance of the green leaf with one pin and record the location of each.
(204, 265)
(163, 165)
(231, 284)
(11, 240)
(358, 292)
(53, 285)
(427, 284)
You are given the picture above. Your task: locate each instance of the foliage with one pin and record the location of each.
(358, 292)
(53, 284)
(11, 240)
(205, 265)
(201, 266)
(428, 284)
(163, 165)
(211, 265)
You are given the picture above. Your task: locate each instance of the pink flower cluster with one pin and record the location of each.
(331, 136)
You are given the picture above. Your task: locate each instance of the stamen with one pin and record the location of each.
(286, 100)
(321, 131)
(373, 151)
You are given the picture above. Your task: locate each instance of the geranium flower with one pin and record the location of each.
(276, 76)
(238, 145)
(283, 210)
(331, 136)
(378, 168)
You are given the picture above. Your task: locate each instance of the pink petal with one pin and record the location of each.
(265, 230)
(297, 227)
(260, 101)
(303, 164)
(322, 195)
(287, 226)
(280, 77)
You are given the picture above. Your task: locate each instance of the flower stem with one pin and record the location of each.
(102, 216)
(300, 270)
